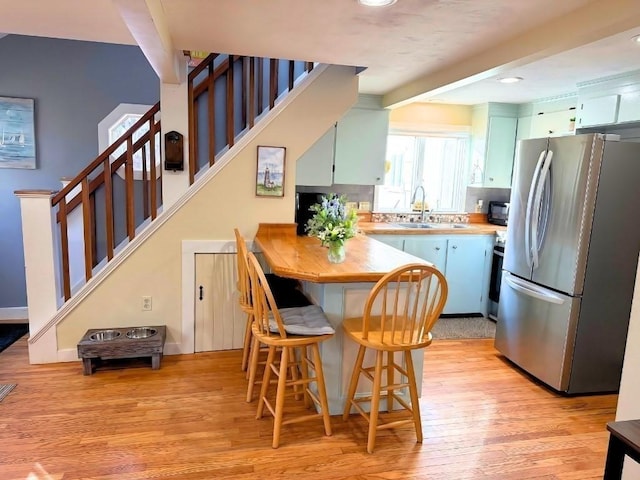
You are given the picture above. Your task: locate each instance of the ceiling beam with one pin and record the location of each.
(588, 24)
(148, 24)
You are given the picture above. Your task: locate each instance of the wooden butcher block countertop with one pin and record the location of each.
(438, 229)
(304, 258)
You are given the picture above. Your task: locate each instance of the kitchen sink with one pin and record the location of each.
(432, 225)
(415, 225)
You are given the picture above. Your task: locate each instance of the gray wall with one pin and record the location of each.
(74, 84)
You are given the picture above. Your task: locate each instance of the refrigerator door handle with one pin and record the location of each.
(530, 202)
(537, 203)
(533, 290)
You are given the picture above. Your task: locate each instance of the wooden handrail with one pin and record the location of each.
(246, 82)
(244, 99)
(106, 154)
(99, 173)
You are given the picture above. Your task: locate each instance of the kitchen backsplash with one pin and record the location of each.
(364, 193)
(486, 195)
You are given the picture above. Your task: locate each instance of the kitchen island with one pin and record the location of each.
(340, 289)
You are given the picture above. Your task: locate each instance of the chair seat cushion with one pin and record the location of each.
(309, 320)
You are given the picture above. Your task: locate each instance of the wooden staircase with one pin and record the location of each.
(151, 258)
(228, 94)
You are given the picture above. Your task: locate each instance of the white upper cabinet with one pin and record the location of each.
(361, 147)
(601, 110)
(552, 124)
(629, 107)
(315, 166)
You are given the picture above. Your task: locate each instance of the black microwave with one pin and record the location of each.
(498, 213)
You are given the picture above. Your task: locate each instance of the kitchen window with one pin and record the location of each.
(436, 160)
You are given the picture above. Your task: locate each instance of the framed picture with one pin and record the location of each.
(17, 138)
(270, 172)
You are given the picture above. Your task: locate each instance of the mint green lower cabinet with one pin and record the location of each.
(467, 273)
(431, 248)
(395, 241)
(465, 261)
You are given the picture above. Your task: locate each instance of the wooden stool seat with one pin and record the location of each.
(292, 348)
(410, 300)
(286, 293)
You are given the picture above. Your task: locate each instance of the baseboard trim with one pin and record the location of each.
(14, 315)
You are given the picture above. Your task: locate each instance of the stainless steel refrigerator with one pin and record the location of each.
(571, 253)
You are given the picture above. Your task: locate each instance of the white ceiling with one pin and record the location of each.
(413, 48)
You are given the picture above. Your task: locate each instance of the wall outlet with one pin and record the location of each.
(146, 303)
(364, 206)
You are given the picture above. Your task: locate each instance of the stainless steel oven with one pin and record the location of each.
(496, 278)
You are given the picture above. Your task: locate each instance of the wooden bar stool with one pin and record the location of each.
(286, 293)
(410, 299)
(290, 334)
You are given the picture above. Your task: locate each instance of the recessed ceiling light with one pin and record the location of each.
(636, 39)
(510, 79)
(376, 3)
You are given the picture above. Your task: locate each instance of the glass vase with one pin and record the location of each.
(336, 252)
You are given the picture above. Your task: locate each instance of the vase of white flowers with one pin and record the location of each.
(333, 224)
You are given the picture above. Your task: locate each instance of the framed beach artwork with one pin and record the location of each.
(17, 137)
(270, 172)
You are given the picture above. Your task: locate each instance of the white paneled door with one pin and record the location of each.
(219, 321)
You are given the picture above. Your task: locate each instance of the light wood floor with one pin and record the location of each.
(482, 419)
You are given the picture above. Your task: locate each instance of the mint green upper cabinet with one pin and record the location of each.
(315, 166)
(493, 142)
(361, 147)
(501, 144)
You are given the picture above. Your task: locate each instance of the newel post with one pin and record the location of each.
(39, 241)
(174, 104)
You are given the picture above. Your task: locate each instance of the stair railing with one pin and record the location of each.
(227, 94)
(97, 184)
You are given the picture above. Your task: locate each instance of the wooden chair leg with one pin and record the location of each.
(390, 380)
(353, 384)
(265, 381)
(247, 342)
(375, 402)
(280, 395)
(304, 371)
(295, 374)
(413, 392)
(252, 370)
(322, 390)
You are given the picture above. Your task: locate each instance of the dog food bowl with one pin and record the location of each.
(105, 335)
(141, 332)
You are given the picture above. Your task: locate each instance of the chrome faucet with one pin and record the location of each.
(413, 200)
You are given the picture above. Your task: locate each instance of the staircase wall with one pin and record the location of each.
(225, 202)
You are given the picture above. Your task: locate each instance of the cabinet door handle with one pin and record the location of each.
(201, 296)
(437, 248)
(454, 246)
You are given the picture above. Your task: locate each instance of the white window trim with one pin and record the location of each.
(426, 129)
(107, 122)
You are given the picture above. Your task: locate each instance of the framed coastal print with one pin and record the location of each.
(17, 138)
(270, 171)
